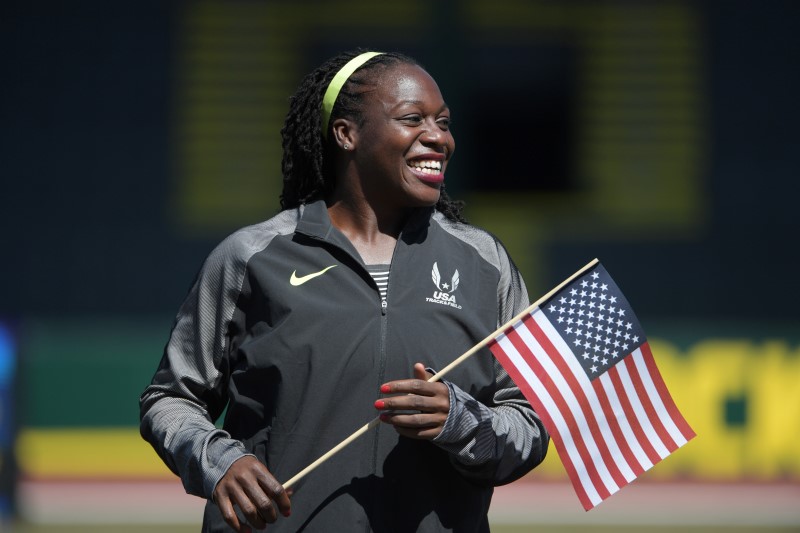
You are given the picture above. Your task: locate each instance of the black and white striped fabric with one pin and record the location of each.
(380, 273)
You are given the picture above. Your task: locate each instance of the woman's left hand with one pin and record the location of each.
(420, 409)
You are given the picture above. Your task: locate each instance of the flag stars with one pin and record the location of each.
(594, 320)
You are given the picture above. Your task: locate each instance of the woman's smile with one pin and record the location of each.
(428, 168)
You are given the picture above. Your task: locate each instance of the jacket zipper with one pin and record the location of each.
(382, 363)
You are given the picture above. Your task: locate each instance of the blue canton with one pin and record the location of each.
(595, 320)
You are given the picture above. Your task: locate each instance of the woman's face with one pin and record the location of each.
(404, 142)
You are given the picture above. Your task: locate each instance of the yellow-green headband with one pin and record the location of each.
(332, 92)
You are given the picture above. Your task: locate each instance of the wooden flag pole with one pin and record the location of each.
(466, 355)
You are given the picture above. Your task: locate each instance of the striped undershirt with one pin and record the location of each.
(380, 273)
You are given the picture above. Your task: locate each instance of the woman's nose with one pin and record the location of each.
(434, 134)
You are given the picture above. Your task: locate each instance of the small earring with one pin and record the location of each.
(346, 146)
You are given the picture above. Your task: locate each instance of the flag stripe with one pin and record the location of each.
(578, 441)
(664, 395)
(543, 404)
(630, 416)
(669, 433)
(618, 413)
(590, 409)
(642, 418)
(617, 427)
(647, 410)
(566, 401)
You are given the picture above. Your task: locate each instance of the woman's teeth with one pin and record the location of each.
(427, 167)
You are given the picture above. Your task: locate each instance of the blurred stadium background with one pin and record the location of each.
(659, 136)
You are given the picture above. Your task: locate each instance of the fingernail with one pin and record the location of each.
(384, 416)
(385, 389)
(379, 404)
(287, 514)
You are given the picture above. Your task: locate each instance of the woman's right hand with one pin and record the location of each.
(249, 486)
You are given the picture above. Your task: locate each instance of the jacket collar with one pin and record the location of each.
(315, 222)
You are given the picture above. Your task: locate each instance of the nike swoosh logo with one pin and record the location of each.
(295, 281)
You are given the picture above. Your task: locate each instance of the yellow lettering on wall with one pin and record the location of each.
(773, 440)
(717, 369)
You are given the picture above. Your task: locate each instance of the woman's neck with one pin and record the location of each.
(373, 235)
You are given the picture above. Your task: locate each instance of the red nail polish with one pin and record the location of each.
(379, 404)
(385, 389)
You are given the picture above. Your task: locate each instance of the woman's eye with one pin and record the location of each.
(444, 123)
(415, 119)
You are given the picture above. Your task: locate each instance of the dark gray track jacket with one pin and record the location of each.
(297, 354)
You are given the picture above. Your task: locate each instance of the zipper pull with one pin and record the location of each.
(384, 305)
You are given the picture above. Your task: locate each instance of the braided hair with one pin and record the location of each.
(307, 162)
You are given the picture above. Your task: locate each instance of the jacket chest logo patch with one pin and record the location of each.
(444, 294)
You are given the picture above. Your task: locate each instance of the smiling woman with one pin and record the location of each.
(300, 352)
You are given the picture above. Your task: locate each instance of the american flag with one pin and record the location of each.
(581, 358)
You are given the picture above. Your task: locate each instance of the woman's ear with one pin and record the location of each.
(345, 133)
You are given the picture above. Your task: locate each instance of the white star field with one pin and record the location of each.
(596, 321)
